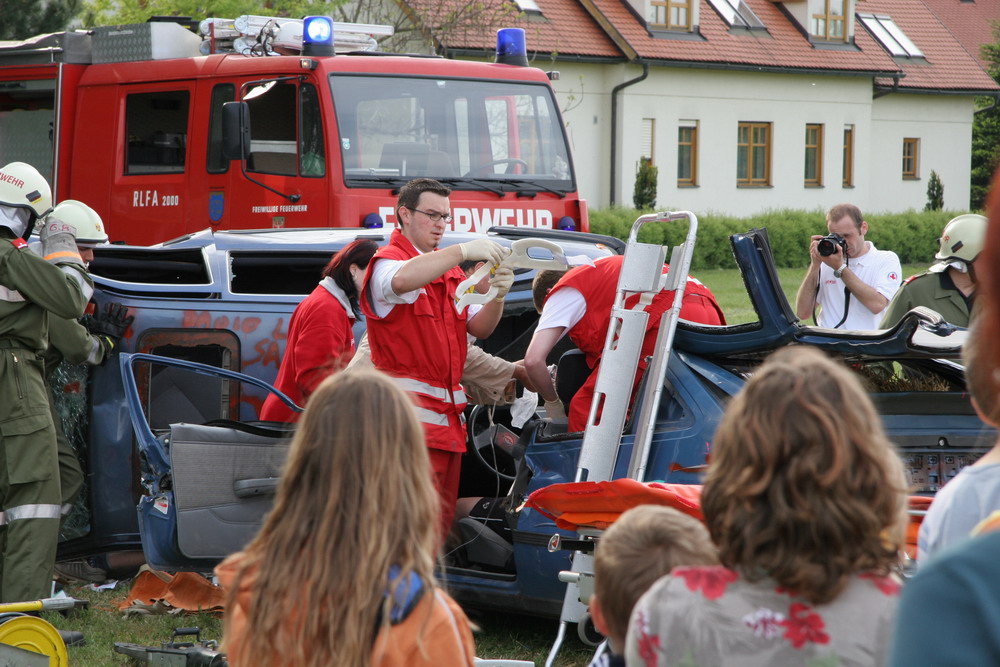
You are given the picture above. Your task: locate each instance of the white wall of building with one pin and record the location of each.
(720, 99)
(944, 126)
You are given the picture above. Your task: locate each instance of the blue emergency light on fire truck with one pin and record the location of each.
(270, 123)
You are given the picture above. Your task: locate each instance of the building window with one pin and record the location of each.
(753, 154)
(814, 155)
(829, 24)
(647, 142)
(911, 155)
(670, 14)
(737, 13)
(848, 180)
(890, 36)
(528, 7)
(687, 154)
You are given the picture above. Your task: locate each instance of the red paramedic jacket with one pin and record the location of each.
(598, 284)
(423, 345)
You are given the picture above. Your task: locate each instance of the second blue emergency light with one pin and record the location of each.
(511, 49)
(317, 36)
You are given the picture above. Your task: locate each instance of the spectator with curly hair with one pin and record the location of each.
(805, 499)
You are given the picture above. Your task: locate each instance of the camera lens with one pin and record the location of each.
(825, 247)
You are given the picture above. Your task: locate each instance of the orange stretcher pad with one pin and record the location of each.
(597, 505)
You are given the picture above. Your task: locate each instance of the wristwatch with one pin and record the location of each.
(839, 272)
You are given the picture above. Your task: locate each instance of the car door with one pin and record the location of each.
(207, 481)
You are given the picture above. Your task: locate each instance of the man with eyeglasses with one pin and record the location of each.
(416, 333)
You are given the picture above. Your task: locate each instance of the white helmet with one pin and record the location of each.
(89, 227)
(962, 239)
(22, 187)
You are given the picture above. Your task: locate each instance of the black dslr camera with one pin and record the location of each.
(828, 245)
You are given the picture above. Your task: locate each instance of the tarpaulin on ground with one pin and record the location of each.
(165, 593)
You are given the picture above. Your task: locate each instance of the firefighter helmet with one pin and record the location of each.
(962, 238)
(21, 186)
(89, 227)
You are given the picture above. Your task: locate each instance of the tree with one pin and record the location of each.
(644, 196)
(986, 131)
(417, 24)
(27, 18)
(935, 193)
(112, 12)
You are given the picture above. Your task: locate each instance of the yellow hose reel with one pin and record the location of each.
(29, 640)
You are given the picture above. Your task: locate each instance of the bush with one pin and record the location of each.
(644, 195)
(912, 235)
(935, 193)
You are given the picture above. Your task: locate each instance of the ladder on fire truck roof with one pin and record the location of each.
(249, 35)
(642, 273)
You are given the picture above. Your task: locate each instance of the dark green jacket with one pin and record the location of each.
(926, 289)
(30, 289)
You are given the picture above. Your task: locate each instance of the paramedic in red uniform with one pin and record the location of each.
(320, 333)
(416, 333)
(580, 304)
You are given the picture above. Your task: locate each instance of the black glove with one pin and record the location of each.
(112, 323)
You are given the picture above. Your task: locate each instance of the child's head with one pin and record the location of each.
(804, 486)
(644, 544)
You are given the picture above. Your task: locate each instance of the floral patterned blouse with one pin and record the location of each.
(707, 616)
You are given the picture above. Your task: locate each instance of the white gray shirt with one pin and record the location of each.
(879, 269)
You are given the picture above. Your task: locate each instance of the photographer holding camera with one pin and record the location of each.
(849, 279)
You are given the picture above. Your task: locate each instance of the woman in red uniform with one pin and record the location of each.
(320, 338)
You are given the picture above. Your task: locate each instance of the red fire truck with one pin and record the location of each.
(133, 121)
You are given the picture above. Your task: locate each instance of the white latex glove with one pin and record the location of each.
(59, 242)
(555, 410)
(502, 280)
(483, 250)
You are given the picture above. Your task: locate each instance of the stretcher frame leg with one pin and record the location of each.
(642, 272)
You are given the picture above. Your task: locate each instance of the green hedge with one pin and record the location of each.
(911, 235)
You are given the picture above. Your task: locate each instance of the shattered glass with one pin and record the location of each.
(68, 385)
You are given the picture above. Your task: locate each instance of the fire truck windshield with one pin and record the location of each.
(473, 134)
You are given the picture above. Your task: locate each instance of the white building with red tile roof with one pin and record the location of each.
(750, 105)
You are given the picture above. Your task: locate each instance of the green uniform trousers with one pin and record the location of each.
(29, 477)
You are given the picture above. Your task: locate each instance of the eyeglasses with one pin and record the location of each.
(433, 215)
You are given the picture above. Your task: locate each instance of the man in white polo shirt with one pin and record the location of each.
(861, 280)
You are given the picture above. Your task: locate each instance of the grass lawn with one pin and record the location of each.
(727, 286)
(501, 635)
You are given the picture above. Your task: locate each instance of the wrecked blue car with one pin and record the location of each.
(174, 432)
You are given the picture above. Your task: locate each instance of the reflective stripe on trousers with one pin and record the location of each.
(30, 512)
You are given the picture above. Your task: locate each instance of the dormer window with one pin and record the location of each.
(736, 13)
(829, 23)
(890, 36)
(669, 14)
(528, 7)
